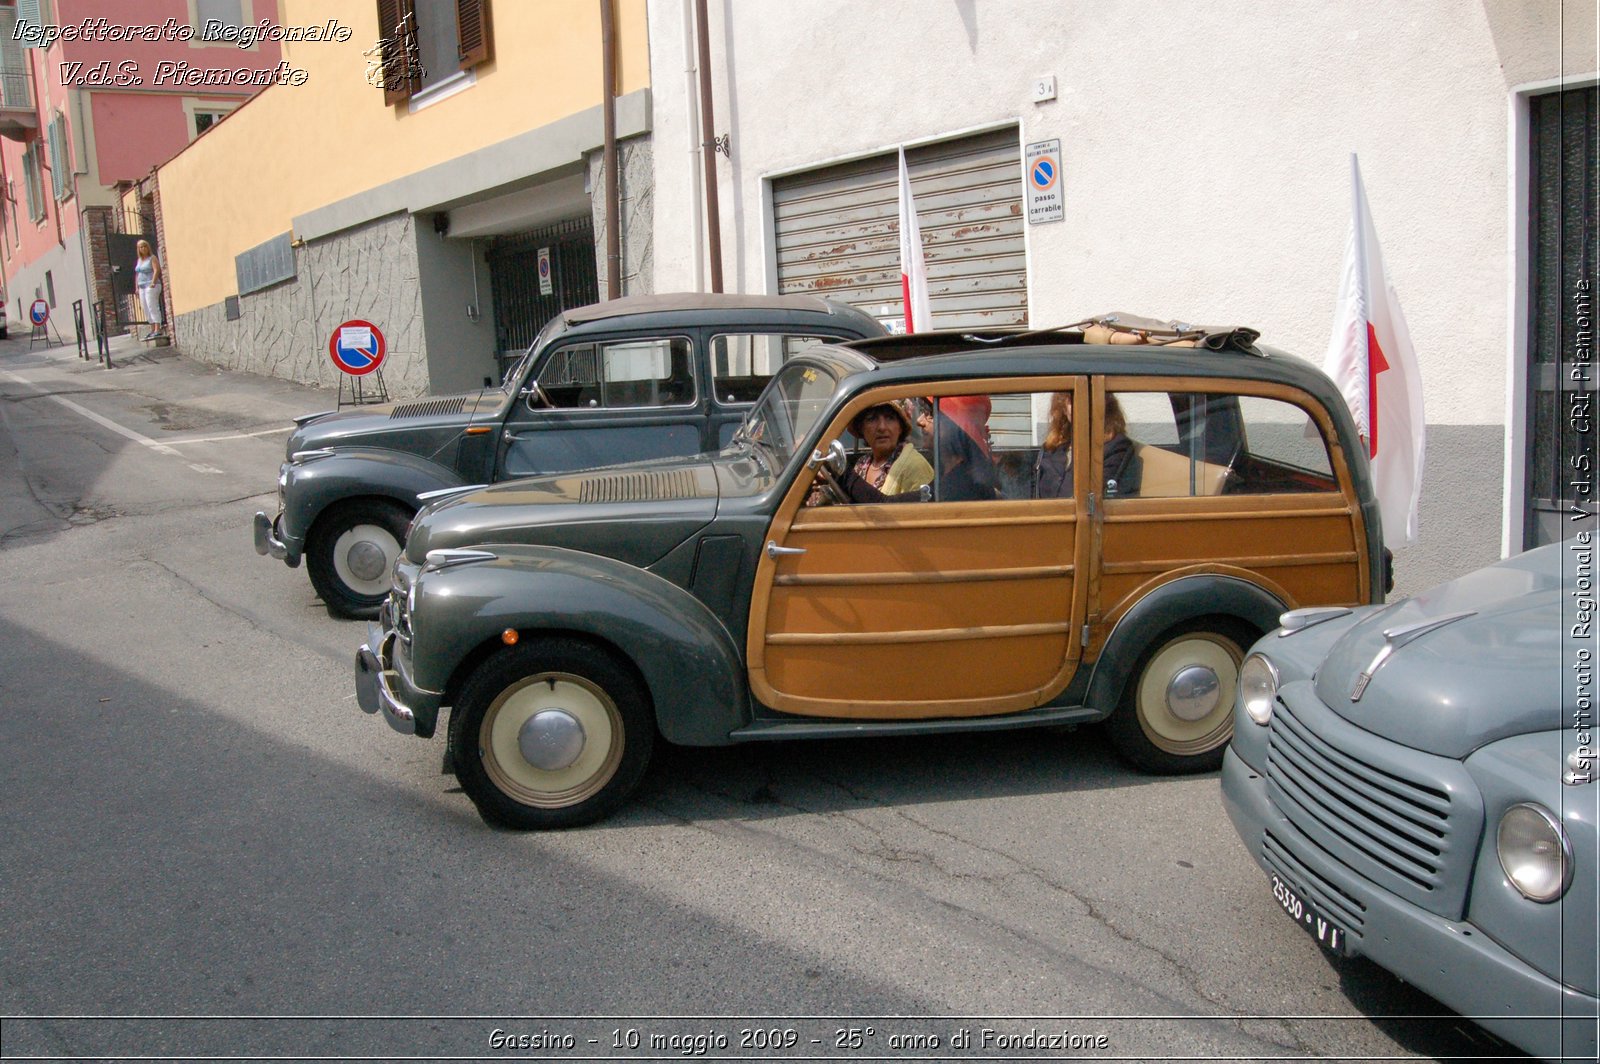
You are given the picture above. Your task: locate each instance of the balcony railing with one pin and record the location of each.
(18, 116)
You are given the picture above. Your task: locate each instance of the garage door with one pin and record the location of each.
(837, 231)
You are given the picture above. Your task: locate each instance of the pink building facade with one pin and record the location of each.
(94, 94)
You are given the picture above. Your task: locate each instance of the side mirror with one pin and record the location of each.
(535, 397)
(834, 457)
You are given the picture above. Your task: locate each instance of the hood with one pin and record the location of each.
(635, 513)
(443, 416)
(1496, 672)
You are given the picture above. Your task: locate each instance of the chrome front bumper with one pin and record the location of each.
(269, 540)
(382, 685)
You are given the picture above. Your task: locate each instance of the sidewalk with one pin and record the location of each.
(188, 394)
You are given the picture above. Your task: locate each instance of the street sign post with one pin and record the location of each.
(357, 348)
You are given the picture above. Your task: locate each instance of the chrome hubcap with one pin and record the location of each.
(551, 739)
(367, 560)
(1193, 692)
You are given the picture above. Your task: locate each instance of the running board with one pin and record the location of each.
(849, 729)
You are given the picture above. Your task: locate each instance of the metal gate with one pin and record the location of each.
(520, 308)
(122, 253)
(1562, 372)
(837, 231)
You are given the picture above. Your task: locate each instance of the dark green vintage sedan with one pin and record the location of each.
(769, 591)
(619, 381)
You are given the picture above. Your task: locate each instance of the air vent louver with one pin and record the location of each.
(638, 487)
(430, 408)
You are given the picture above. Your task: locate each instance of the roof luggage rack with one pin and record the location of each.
(1115, 328)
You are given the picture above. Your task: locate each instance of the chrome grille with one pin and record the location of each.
(1405, 820)
(430, 407)
(638, 487)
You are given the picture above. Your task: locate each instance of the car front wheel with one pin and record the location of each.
(1176, 714)
(351, 551)
(551, 733)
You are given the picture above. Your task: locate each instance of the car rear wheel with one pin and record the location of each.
(551, 733)
(351, 551)
(1176, 713)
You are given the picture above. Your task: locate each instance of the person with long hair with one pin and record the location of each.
(147, 282)
(1123, 469)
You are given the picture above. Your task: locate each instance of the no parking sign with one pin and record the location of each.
(1043, 184)
(39, 312)
(356, 347)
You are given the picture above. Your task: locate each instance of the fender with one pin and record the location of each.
(1173, 603)
(311, 487)
(688, 661)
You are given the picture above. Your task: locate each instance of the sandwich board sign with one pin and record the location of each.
(356, 347)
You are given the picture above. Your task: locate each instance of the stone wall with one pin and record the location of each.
(636, 167)
(367, 272)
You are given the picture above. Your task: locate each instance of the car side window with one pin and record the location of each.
(620, 375)
(743, 363)
(1284, 451)
(1200, 444)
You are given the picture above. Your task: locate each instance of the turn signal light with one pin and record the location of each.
(509, 637)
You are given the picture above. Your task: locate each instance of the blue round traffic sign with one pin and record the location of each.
(39, 312)
(356, 347)
(1043, 174)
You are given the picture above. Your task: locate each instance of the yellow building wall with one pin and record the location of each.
(294, 148)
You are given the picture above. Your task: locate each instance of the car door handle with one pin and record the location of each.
(775, 551)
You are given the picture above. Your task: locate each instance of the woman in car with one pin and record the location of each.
(890, 470)
(1123, 467)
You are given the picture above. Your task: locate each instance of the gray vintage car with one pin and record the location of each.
(629, 379)
(1418, 782)
(568, 619)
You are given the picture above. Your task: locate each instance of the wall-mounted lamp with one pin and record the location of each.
(441, 223)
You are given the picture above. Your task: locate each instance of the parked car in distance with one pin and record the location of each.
(634, 378)
(1418, 783)
(568, 619)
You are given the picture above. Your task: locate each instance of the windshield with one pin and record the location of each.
(788, 410)
(519, 368)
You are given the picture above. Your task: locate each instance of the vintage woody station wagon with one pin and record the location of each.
(570, 619)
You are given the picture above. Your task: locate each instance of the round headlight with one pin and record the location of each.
(1534, 852)
(1258, 687)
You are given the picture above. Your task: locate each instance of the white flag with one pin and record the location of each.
(913, 270)
(1371, 359)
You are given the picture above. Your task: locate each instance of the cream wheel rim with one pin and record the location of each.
(1166, 708)
(500, 748)
(363, 556)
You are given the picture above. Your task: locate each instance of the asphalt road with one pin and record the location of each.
(208, 853)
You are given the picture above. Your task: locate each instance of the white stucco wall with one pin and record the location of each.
(1205, 149)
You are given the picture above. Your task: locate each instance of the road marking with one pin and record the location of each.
(234, 436)
(105, 422)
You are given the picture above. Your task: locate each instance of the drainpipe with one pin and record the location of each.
(608, 72)
(708, 148)
(691, 129)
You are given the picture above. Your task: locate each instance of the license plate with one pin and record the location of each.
(1329, 935)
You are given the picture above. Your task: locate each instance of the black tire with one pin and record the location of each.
(351, 551)
(1148, 731)
(583, 683)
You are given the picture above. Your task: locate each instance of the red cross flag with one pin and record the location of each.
(913, 270)
(1371, 359)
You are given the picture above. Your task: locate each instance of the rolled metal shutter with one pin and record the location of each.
(837, 231)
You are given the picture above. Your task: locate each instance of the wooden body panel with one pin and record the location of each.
(919, 610)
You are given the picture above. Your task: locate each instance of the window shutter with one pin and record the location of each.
(472, 31)
(398, 76)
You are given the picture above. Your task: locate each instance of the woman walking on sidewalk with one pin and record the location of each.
(147, 280)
